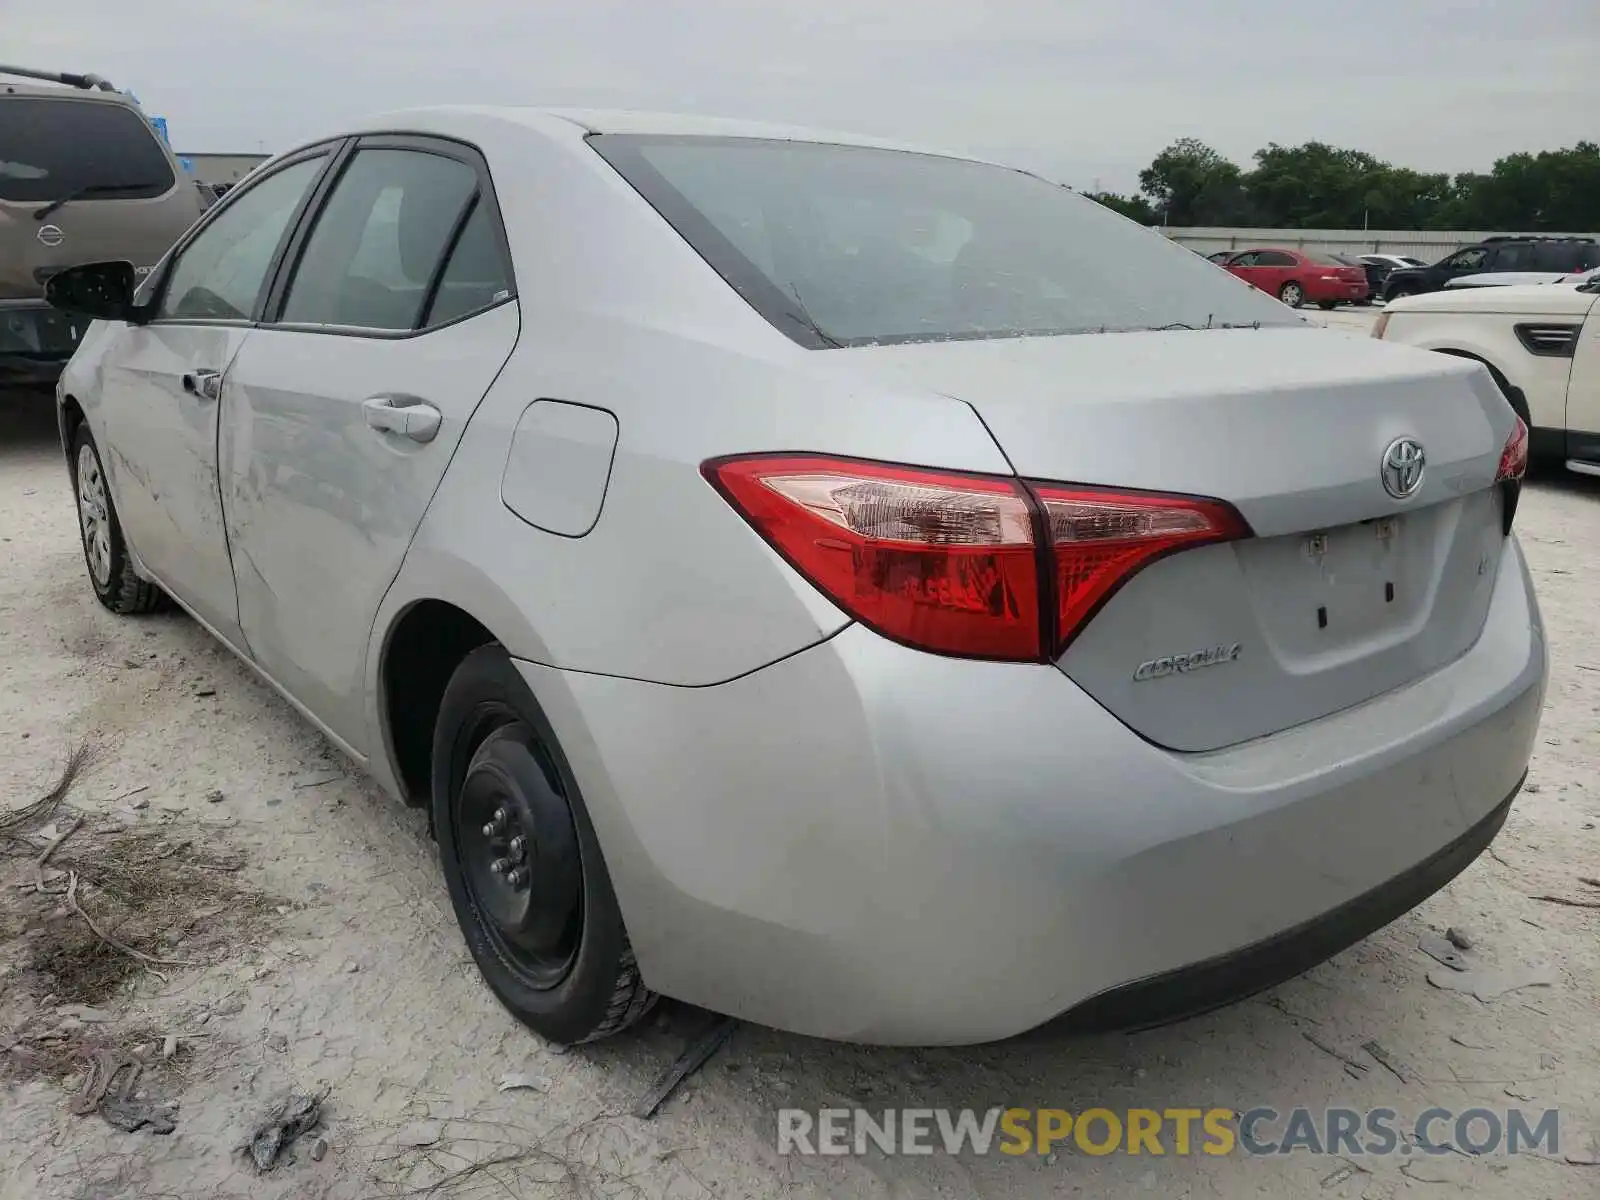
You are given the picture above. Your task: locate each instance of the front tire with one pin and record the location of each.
(105, 552)
(1400, 292)
(1327, 305)
(1292, 294)
(522, 863)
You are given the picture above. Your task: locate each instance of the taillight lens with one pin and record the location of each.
(951, 562)
(1101, 538)
(1513, 466)
(1514, 457)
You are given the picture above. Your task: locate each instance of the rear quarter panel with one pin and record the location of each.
(670, 585)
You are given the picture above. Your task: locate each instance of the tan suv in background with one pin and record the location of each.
(84, 177)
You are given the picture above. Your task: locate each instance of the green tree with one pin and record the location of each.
(1190, 183)
(1319, 185)
(1551, 191)
(1316, 185)
(1135, 208)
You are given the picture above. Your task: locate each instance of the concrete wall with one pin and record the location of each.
(1428, 245)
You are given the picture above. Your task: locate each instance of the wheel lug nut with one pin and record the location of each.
(499, 866)
(489, 829)
(517, 878)
(518, 847)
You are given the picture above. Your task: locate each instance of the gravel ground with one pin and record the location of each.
(330, 960)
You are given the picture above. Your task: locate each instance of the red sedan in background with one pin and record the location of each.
(1296, 276)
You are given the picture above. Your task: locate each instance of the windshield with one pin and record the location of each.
(845, 245)
(51, 148)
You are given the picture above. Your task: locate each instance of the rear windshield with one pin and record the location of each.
(845, 245)
(51, 148)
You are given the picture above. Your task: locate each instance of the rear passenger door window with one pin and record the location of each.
(404, 240)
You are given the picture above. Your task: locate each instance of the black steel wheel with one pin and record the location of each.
(519, 854)
(522, 863)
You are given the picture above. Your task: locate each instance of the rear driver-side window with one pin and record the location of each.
(475, 277)
(380, 239)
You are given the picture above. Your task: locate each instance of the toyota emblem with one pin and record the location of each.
(1403, 464)
(51, 235)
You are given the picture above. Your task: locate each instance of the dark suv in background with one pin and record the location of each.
(84, 177)
(1564, 255)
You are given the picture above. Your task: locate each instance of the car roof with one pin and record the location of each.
(575, 123)
(57, 91)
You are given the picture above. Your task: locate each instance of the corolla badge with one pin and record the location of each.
(1402, 468)
(1182, 664)
(51, 235)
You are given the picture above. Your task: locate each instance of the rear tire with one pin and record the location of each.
(522, 863)
(1400, 292)
(105, 553)
(1292, 294)
(1327, 305)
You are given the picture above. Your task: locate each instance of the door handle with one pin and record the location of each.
(207, 385)
(407, 416)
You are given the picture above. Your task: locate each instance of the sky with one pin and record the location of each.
(1086, 93)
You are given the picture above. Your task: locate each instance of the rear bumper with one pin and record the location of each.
(869, 843)
(1200, 987)
(1318, 290)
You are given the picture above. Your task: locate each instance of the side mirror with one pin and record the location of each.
(101, 290)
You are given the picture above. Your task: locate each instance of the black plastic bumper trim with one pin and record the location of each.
(1214, 982)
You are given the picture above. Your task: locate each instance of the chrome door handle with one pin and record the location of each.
(207, 385)
(405, 415)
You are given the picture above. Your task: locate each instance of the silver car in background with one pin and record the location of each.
(867, 591)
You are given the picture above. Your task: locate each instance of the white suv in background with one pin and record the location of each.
(1541, 342)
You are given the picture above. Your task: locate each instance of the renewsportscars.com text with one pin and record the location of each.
(1261, 1130)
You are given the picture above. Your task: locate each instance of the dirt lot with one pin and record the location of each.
(219, 830)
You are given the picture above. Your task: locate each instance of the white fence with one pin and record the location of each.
(1426, 244)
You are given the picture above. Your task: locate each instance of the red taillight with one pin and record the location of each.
(1514, 456)
(950, 562)
(1101, 538)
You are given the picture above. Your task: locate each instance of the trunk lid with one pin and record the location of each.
(1344, 593)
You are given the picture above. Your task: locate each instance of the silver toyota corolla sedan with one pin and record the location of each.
(867, 591)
